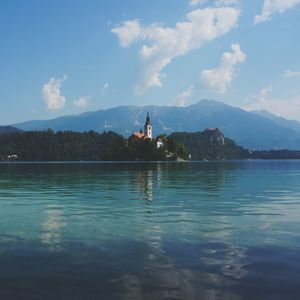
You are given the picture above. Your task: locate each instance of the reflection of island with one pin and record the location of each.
(52, 227)
(167, 267)
(143, 182)
(148, 186)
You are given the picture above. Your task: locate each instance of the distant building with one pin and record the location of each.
(159, 143)
(148, 128)
(12, 157)
(214, 135)
(147, 133)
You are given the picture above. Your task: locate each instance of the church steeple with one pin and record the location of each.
(148, 127)
(148, 119)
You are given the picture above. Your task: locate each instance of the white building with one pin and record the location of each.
(159, 143)
(147, 134)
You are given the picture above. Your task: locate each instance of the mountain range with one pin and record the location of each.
(9, 129)
(258, 130)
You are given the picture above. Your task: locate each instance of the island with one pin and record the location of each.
(48, 145)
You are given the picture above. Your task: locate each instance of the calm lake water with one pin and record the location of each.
(207, 230)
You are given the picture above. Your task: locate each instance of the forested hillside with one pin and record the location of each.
(201, 147)
(75, 146)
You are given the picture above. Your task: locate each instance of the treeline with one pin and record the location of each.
(61, 146)
(110, 146)
(276, 154)
(75, 146)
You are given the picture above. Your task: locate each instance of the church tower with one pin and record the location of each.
(148, 127)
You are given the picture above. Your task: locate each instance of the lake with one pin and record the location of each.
(198, 230)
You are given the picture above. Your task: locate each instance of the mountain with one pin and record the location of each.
(9, 129)
(292, 124)
(245, 128)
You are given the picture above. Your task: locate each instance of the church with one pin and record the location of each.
(147, 133)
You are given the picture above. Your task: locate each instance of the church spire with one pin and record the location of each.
(148, 119)
(148, 127)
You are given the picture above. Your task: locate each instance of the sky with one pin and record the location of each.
(61, 57)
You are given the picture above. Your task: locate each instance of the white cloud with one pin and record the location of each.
(271, 7)
(220, 78)
(226, 2)
(197, 2)
(216, 2)
(129, 32)
(166, 43)
(291, 74)
(180, 100)
(81, 102)
(104, 88)
(263, 94)
(286, 108)
(51, 93)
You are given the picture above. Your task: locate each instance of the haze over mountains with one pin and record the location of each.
(292, 124)
(258, 130)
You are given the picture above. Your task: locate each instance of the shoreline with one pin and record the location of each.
(145, 162)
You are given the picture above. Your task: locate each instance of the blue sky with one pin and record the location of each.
(63, 57)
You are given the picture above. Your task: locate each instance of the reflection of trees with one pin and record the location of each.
(207, 176)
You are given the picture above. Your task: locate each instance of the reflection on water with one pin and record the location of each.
(227, 230)
(143, 182)
(52, 226)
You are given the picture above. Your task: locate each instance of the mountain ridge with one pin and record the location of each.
(9, 129)
(246, 128)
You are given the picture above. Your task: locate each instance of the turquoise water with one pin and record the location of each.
(207, 230)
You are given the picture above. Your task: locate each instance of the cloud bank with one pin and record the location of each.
(220, 78)
(163, 44)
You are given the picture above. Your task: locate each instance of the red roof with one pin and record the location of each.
(139, 135)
